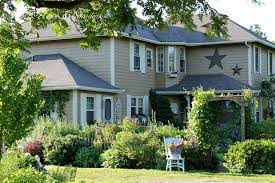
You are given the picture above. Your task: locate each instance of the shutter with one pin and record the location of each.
(146, 105)
(131, 56)
(142, 58)
(83, 105)
(98, 107)
(129, 106)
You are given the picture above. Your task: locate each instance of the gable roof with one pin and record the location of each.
(63, 74)
(175, 34)
(219, 82)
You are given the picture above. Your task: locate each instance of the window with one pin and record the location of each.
(257, 110)
(160, 59)
(136, 106)
(136, 57)
(90, 110)
(171, 59)
(257, 60)
(182, 60)
(108, 109)
(149, 58)
(270, 63)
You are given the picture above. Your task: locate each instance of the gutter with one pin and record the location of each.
(190, 92)
(49, 88)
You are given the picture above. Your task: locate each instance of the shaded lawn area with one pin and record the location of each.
(104, 175)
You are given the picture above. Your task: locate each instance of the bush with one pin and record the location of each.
(134, 150)
(87, 157)
(35, 148)
(27, 175)
(13, 161)
(61, 150)
(63, 174)
(263, 130)
(251, 156)
(169, 131)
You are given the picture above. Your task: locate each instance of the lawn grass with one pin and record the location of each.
(104, 175)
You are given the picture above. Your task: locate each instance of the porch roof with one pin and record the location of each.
(63, 74)
(220, 82)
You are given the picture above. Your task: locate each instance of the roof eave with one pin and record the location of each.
(190, 92)
(50, 88)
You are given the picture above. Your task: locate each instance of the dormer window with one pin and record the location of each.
(172, 60)
(136, 57)
(257, 59)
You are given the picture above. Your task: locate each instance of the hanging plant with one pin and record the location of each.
(55, 101)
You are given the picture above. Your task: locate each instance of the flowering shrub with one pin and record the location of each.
(35, 148)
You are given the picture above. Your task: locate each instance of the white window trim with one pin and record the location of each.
(184, 57)
(84, 110)
(112, 108)
(137, 106)
(260, 60)
(268, 63)
(175, 59)
(157, 63)
(139, 55)
(151, 50)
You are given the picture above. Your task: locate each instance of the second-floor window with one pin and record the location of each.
(182, 60)
(149, 57)
(136, 57)
(136, 106)
(160, 59)
(257, 59)
(171, 59)
(270, 63)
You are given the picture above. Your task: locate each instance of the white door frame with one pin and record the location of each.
(112, 109)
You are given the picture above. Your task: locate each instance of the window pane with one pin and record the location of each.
(257, 59)
(270, 63)
(90, 117)
(149, 58)
(140, 102)
(182, 65)
(133, 112)
(171, 59)
(160, 59)
(137, 63)
(108, 107)
(140, 111)
(136, 51)
(90, 103)
(133, 102)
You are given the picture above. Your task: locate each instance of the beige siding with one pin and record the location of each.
(257, 78)
(97, 62)
(235, 54)
(69, 108)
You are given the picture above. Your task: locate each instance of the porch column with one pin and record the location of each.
(242, 122)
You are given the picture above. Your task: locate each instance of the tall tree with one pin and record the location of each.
(20, 97)
(111, 17)
(258, 30)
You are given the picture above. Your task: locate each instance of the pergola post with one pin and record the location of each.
(242, 122)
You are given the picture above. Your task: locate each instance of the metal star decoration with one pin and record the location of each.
(215, 59)
(237, 70)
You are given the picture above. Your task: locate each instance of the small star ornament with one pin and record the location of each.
(215, 59)
(236, 70)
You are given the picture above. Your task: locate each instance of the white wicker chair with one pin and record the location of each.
(173, 160)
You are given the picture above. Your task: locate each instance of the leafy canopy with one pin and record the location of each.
(258, 30)
(111, 17)
(19, 96)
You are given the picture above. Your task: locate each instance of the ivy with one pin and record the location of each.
(54, 101)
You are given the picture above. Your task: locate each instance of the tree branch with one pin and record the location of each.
(57, 4)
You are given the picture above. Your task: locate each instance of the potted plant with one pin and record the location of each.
(175, 149)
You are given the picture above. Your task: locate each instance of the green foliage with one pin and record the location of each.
(134, 150)
(202, 119)
(27, 175)
(258, 30)
(20, 97)
(263, 130)
(55, 101)
(63, 175)
(88, 157)
(251, 156)
(61, 150)
(161, 106)
(169, 131)
(14, 161)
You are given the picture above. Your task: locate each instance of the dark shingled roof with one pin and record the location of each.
(219, 82)
(61, 72)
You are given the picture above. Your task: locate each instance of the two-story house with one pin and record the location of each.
(114, 82)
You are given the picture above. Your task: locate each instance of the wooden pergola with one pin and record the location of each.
(239, 99)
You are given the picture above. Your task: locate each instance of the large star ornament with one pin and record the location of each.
(236, 70)
(215, 59)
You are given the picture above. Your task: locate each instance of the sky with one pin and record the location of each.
(240, 11)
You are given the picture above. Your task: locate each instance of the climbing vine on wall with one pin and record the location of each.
(55, 101)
